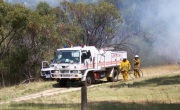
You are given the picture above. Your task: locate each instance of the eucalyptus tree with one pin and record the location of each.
(13, 24)
(98, 22)
(13, 21)
(43, 8)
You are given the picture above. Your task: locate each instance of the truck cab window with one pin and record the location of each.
(85, 55)
(89, 55)
(67, 56)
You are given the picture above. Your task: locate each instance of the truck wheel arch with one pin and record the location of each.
(89, 79)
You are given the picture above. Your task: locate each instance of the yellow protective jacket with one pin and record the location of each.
(137, 63)
(125, 66)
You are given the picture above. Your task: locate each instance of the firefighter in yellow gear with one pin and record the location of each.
(137, 63)
(125, 67)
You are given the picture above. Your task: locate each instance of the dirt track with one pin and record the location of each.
(148, 72)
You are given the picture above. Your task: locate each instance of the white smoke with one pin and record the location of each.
(160, 21)
(169, 44)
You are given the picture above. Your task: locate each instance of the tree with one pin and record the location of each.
(98, 21)
(14, 21)
(43, 8)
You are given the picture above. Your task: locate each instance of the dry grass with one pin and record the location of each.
(159, 89)
(8, 93)
(159, 70)
(149, 94)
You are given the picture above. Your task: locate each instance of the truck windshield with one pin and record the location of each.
(67, 56)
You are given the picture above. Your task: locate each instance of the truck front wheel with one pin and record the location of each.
(88, 81)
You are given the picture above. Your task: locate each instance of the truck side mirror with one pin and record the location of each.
(45, 64)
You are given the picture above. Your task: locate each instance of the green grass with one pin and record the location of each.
(160, 93)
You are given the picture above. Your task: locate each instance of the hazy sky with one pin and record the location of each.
(52, 3)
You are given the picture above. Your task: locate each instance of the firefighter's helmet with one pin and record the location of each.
(136, 56)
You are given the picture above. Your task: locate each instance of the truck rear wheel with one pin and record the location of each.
(114, 77)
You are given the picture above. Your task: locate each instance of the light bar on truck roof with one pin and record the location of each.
(65, 46)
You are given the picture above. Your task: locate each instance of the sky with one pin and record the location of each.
(52, 3)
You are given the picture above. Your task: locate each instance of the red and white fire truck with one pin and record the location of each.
(84, 63)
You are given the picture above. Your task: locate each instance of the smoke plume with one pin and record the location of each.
(163, 20)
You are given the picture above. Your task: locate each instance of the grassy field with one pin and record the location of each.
(160, 91)
(9, 93)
